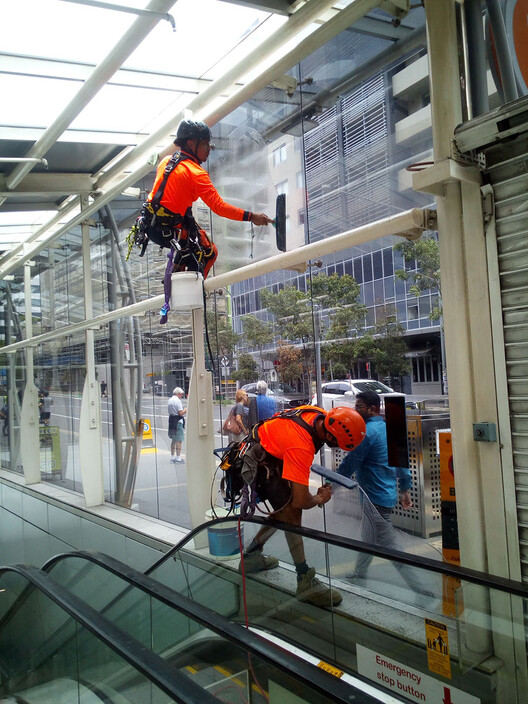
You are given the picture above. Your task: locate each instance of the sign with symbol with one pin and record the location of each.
(437, 648)
(50, 454)
(408, 682)
(147, 440)
(224, 361)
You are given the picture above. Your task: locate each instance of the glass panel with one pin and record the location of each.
(219, 666)
(408, 616)
(61, 661)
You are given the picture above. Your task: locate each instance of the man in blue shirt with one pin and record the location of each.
(369, 462)
(262, 406)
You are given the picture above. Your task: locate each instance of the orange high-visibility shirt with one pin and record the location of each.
(188, 182)
(292, 444)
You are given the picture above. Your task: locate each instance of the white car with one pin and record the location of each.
(343, 393)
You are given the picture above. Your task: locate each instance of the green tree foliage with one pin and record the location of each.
(290, 363)
(427, 276)
(340, 296)
(389, 348)
(257, 333)
(222, 337)
(247, 370)
(290, 309)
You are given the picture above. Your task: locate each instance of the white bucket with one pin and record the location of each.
(223, 539)
(186, 290)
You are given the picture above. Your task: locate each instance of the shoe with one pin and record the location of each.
(173, 459)
(179, 460)
(256, 561)
(311, 590)
(354, 576)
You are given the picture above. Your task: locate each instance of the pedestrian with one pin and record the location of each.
(381, 484)
(4, 415)
(45, 407)
(240, 414)
(103, 389)
(181, 179)
(279, 461)
(261, 406)
(176, 423)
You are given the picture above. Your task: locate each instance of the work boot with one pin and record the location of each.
(311, 590)
(256, 561)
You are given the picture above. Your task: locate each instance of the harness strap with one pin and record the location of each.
(295, 415)
(167, 287)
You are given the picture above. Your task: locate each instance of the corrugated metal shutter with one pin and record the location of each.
(507, 171)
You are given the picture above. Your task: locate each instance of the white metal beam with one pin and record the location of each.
(102, 73)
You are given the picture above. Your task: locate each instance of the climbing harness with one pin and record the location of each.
(240, 486)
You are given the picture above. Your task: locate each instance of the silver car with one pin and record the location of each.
(343, 392)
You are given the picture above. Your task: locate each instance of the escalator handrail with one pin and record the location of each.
(152, 666)
(315, 678)
(482, 579)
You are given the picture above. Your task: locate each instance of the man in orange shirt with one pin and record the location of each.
(180, 181)
(280, 462)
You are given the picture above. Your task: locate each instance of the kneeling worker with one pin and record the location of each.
(280, 460)
(180, 181)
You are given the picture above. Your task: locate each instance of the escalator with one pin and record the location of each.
(87, 628)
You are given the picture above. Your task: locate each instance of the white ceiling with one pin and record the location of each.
(82, 86)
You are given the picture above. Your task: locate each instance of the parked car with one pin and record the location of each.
(284, 394)
(343, 392)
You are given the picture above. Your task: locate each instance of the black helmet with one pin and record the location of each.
(189, 129)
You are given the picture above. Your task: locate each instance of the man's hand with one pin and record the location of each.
(325, 494)
(260, 219)
(405, 499)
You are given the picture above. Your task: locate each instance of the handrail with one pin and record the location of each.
(152, 666)
(313, 677)
(502, 584)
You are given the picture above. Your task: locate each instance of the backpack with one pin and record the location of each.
(234, 486)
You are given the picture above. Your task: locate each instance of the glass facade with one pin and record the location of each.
(334, 149)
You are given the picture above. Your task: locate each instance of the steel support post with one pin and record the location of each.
(29, 420)
(90, 433)
(199, 442)
(481, 504)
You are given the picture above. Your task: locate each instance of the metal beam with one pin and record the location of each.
(48, 185)
(410, 223)
(122, 50)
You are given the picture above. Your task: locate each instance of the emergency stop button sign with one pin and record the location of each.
(408, 682)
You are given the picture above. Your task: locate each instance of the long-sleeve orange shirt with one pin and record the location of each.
(292, 444)
(188, 182)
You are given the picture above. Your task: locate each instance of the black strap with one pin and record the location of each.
(295, 415)
(169, 168)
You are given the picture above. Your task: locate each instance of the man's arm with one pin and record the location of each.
(210, 196)
(353, 460)
(303, 499)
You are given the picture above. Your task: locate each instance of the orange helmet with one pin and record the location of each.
(346, 425)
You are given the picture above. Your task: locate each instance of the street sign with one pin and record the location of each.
(224, 361)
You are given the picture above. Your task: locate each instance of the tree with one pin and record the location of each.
(340, 295)
(389, 349)
(222, 337)
(257, 333)
(290, 363)
(426, 253)
(247, 369)
(289, 307)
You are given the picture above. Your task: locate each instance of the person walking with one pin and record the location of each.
(176, 424)
(261, 406)
(278, 461)
(381, 484)
(240, 414)
(45, 407)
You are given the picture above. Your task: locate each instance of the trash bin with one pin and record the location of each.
(223, 539)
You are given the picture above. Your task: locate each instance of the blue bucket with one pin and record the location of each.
(223, 539)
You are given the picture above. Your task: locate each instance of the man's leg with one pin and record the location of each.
(172, 450)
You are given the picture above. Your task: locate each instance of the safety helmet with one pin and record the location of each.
(346, 425)
(189, 129)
